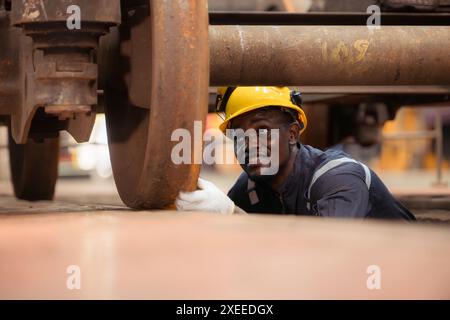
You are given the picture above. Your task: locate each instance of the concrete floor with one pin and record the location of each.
(170, 255)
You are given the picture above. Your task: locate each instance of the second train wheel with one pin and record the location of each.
(140, 138)
(34, 168)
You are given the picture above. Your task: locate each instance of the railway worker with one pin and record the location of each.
(308, 181)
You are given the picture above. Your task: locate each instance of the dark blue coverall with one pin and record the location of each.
(349, 190)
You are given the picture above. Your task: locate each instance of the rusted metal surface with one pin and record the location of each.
(32, 11)
(49, 83)
(310, 56)
(9, 65)
(138, 51)
(57, 67)
(168, 255)
(139, 48)
(66, 111)
(140, 140)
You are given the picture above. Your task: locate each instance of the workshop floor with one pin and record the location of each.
(170, 255)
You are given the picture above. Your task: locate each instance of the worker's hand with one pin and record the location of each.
(209, 198)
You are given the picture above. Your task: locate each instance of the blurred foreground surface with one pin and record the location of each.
(169, 255)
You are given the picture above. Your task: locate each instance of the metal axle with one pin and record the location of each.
(329, 55)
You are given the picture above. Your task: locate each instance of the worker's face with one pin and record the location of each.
(268, 153)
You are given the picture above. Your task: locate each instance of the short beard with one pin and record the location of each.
(260, 178)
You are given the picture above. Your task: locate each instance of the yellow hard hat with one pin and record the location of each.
(236, 101)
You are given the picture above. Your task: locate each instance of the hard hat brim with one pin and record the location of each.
(301, 114)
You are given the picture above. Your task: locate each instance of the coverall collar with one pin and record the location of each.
(292, 180)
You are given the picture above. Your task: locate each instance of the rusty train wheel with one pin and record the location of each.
(34, 168)
(140, 138)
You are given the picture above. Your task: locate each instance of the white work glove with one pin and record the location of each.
(209, 198)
